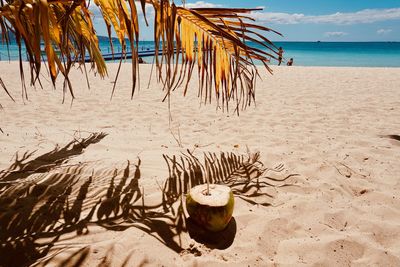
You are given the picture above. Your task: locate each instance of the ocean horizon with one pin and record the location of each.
(319, 53)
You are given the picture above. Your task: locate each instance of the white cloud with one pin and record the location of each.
(279, 18)
(335, 34)
(383, 31)
(201, 4)
(362, 16)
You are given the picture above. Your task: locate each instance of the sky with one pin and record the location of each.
(310, 20)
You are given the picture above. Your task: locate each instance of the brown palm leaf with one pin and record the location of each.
(66, 26)
(216, 39)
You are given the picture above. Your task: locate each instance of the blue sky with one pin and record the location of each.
(312, 20)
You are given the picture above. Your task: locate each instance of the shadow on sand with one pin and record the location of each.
(246, 175)
(220, 240)
(42, 200)
(24, 166)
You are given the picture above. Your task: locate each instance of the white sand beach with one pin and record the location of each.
(334, 132)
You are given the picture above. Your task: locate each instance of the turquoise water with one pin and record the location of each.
(355, 54)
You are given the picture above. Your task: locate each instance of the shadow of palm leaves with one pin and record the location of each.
(31, 209)
(60, 200)
(246, 175)
(23, 167)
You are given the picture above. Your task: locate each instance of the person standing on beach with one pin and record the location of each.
(280, 55)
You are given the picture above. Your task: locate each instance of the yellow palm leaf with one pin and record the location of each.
(211, 38)
(217, 40)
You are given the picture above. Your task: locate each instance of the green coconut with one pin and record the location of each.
(211, 209)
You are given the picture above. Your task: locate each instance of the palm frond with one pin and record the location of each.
(66, 26)
(219, 40)
(246, 175)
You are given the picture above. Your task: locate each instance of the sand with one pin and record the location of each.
(332, 132)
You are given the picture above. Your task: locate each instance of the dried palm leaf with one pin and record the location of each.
(218, 40)
(66, 26)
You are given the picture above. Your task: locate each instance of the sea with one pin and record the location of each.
(339, 54)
